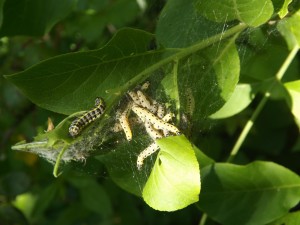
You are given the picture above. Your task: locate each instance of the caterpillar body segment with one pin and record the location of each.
(153, 133)
(79, 123)
(144, 154)
(157, 122)
(125, 126)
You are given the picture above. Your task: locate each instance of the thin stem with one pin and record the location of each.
(58, 159)
(203, 219)
(261, 104)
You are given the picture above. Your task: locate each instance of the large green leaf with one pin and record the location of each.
(257, 193)
(33, 17)
(176, 153)
(253, 13)
(199, 74)
(174, 182)
(70, 83)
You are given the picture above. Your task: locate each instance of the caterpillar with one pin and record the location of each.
(144, 154)
(125, 126)
(79, 123)
(153, 133)
(157, 122)
(190, 104)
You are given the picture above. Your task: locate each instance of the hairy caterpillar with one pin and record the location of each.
(157, 122)
(79, 123)
(153, 133)
(144, 154)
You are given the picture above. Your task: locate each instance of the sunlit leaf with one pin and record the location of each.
(290, 30)
(284, 9)
(294, 91)
(25, 203)
(174, 182)
(289, 219)
(257, 193)
(239, 100)
(253, 13)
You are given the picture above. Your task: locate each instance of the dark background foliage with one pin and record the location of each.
(29, 194)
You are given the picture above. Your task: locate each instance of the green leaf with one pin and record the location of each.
(93, 196)
(33, 17)
(11, 215)
(181, 13)
(25, 203)
(289, 219)
(257, 193)
(253, 13)
(91, 21)
(203, 159)
(121, 164)
(44, 199)
(290, 30)
(174, 182)
(200, 96)
(294, 91)
(76, 79)
(285, 8)
(239, 100)
(69, 83)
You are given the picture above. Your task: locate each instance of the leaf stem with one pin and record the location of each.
(261, 104)
(57, 162)
(203, 219)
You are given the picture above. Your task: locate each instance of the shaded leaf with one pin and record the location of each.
(1, 12)
(44, 199)
(33, 17)
(93, 196)
(178, 14)
(234, 194)
(11, 215)
(71, 82)
(207, 80)
(14, 183)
